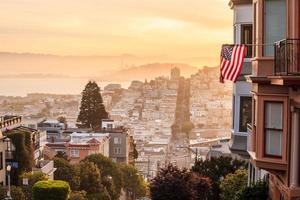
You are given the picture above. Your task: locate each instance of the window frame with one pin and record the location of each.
(119, 140)
(74, 155)
(265, 129)
(243, 26)
(117, 150)
(240, 113)
(263, 53)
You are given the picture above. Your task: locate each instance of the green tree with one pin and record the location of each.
(90, 178)
(66, 172)
(134, 184)
(233, 184)
(257, 191)
(22, 154)
(173, 183)
(108, 168)
(216, 169)
(92, 110)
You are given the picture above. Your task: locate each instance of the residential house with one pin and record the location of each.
(242, 100)
(274, 133)
(82, 145)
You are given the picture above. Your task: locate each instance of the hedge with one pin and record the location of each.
(51, 190)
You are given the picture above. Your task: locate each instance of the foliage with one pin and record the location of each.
(51, 189)
(201, 186)
(78, 195)
(61, 154)
(216, 169)
(257, 191)
(187, 127)
(62, 119)
(133, 182)
(108, 168)
(66, 172)
(135, 152)
(92, 110)
(3, 192)
(23, 153)
(99, 196)
(17, 193)
(233, 184)
(32, 179)
(173, 183)
(90, 178)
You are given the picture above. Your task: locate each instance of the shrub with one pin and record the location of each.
(257, 191)
(78, 195)
(233, 184)
(49, 190)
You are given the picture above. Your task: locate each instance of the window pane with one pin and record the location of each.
(273, 115)
(245, 113)
(273, 142)
(275, 24)
(246, 37)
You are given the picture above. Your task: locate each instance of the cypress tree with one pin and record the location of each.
(92, 110)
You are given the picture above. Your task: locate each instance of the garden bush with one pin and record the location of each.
(50, 190)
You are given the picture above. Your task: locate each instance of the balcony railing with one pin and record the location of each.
(249, 137)
(287, 57)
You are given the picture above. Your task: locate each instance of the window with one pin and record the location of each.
(254, 28)
(109, 126)
(117, 150)
(273, 128)
(117, 140)
(74, 153)
(246, 38)
(274, 24)
(245, 113)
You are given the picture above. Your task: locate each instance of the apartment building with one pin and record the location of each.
(82, 145)
(275, 86)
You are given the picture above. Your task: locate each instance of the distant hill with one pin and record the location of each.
(79, 66)
(149, 71)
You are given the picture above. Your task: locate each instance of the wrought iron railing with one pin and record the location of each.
(287, 57)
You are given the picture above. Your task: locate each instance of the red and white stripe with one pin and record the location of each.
(231, 69)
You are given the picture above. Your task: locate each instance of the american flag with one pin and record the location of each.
(232, 57)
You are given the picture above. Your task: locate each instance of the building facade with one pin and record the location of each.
(275, 85)
(242, 100)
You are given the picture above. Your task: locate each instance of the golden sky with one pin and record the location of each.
(186, 29)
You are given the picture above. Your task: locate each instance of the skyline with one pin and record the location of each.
(189, 31)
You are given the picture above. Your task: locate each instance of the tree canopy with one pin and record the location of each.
(173, 183)
(217, 169)
(108, 168)
(134, 184)
(92, 110)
